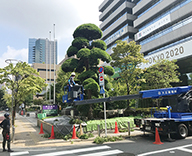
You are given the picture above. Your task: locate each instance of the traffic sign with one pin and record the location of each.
(102, 91)
(101, 79)
(101, 69)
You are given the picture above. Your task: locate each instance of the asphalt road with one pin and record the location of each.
(140, 146)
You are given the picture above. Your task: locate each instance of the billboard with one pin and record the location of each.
(50, 109)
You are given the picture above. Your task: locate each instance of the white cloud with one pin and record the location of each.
(24, 19)
(11, 53)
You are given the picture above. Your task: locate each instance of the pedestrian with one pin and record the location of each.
(5, 124)
(71, 79)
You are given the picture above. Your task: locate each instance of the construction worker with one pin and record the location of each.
(71, 79)
(5, 124)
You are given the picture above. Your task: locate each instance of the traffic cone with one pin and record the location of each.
(157, 138)
(41, 129)
(116, 128)
(74, 133)
(52, 133)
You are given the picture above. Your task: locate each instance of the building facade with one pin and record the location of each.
(42, 51)
(161, 27)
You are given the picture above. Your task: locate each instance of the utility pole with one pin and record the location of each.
(54, 53)
(50, 68)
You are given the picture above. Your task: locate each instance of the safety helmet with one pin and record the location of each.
(73, 73)
(6, 115)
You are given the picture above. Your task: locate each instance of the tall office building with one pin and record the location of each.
(42, 51)
(117, 21)
(161, 27)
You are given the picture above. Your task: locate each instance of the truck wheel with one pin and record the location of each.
(182, 131)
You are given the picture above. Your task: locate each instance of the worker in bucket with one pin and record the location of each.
(71, 79)
(5, 124)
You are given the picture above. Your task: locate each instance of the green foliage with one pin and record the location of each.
(72, 51)
(161, 74)
(69, 65)
(75, 121)
(87, 61)
(80, 42)
(109, 70)
(2, 101)
(83, 53)
(90, 135)
(101, 140)
(27, 81)
(87, 74)
(88, 31)
(84, 136)
(92, 86)
(99, 44)
(98, 53)
(38, 101)
(127, 57)
(46, 135)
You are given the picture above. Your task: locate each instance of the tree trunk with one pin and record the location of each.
(90, 113)
(128, 92)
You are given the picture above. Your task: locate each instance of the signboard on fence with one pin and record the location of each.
(50, 109)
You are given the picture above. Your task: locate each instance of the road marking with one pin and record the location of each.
(19, 153)
(164, 150)
(185, 149)
(74, 151)
(103, 153)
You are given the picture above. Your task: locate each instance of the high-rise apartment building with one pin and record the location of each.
(161, 27)
(42, 51)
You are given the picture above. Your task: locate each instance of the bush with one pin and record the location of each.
(84, 136)
(90, 135)
(101, 140)
(46, 136)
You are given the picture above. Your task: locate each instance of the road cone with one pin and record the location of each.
(52, 133)
(74, 133)
(41, 129)
(116, 128)
(157, 138)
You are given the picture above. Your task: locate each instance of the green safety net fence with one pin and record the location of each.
(122, 123)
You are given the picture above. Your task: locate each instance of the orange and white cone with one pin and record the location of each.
(52, 133)
(41, 129)
(74, 133)
(116, 128)
(157, 138)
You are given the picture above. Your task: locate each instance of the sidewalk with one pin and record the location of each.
(27, 136)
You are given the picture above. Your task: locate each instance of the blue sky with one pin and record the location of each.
(24, 19)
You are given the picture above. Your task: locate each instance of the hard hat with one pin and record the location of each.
(6, 115)
(73, 73)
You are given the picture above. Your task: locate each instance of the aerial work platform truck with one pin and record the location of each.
(176, 118)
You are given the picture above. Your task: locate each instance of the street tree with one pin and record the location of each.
(2, 101)
(127, 57)
(26, 82)
(161, 74)
(88, 50)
